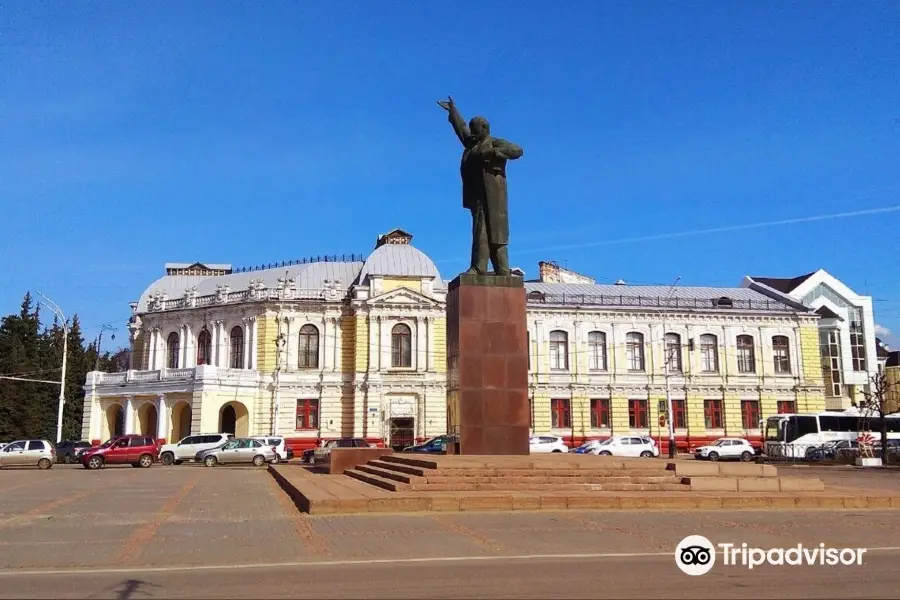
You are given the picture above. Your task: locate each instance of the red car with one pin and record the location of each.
(134, 450)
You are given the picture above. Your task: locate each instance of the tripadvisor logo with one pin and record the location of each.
(696, 555)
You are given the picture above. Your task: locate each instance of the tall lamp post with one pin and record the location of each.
(62, 379)
(100, 339)
(666, 359)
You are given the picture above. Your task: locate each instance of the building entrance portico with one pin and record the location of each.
(401, 421)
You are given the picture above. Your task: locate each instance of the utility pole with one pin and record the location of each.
(62, 379)
(100, 339)
(668, 357)
(279, 349)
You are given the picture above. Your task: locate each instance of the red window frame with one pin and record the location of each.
(712, 414)
(307, 414)
(786, 406)
(638, 414)
(560, 413)
(600, 413)
(750, 414)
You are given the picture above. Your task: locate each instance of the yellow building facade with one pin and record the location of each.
(356, 347)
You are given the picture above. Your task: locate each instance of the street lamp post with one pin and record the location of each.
(666, 358)
(62, 378)
(100, 339)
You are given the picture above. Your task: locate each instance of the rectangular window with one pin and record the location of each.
(307, 414)
(600, 413)
(857, 346)
(830, 347)
(750, 414)
(746, 354)
(786, 407)
(638, 415)
(781, 354)
(712, 412)
(560, 415)
(709, 354)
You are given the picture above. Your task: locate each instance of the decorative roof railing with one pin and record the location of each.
(657, 302)
(189, 300)
(303, 261)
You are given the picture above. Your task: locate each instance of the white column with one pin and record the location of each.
(338, 345)
(151, 359)
(189, 358)
(374, 344)
(429, 343)
(162, 419)
(129, 415)
(254, 345)
(325, 356)
(289, 343)
(573, 349)
(420, 344)
(217, 341)
(246, 325)
(384, 344)
(539, 346)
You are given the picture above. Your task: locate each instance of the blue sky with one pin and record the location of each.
(140, 133)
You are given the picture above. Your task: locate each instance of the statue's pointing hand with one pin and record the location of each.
(446, 104)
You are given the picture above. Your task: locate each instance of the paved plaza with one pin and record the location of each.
(98, 531)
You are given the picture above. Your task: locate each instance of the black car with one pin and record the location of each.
(68, 451)
(308, 455)
(435, 444)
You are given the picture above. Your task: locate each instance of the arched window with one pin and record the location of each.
(746, 354)
(172, 351)
(401, 346)
(673, 353)
(559, 351)
(309, 347)
(204, 347)
(597, 351)
(237, 347)
(781, 350)
(709, 353)
(634, 351)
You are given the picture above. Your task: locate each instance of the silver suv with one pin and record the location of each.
(189, 447)
(28, 453)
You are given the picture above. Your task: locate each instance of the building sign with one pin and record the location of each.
(403, 407)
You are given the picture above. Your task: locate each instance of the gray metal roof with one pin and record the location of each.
(654, 295)
(399, 260)
(307, 277)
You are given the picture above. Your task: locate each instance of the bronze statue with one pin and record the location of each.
(483, 170)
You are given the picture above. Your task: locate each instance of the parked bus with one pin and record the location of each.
(792, 435)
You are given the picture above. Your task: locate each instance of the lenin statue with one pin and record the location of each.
(483, 171)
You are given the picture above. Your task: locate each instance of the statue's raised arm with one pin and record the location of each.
(457, 121)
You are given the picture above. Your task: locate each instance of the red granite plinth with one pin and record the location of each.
(487, 360)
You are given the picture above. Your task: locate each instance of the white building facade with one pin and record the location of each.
(846, 331)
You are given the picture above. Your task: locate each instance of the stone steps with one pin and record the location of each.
(377, 480)
(515, 479)
(387, 473)
(549, 487)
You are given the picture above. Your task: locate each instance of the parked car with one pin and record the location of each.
(68, 451)
(628, 445)
(238, 451)
(726, 449)
(309, 456)
(134, 450)
(588, 447)
(541, 444)
(435, 444)
(28, 453)
(188, 447)
(282, 452)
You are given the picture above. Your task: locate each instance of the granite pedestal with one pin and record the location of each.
(487, 356)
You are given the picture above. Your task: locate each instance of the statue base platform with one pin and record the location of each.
(487, 356)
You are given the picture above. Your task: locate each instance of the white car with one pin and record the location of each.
(541, 444)
(277, 444)
(628, 445)
(726, 449)
(187, 449)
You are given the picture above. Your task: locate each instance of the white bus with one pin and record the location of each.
(792, 435)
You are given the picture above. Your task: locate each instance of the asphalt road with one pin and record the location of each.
(632, 576)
